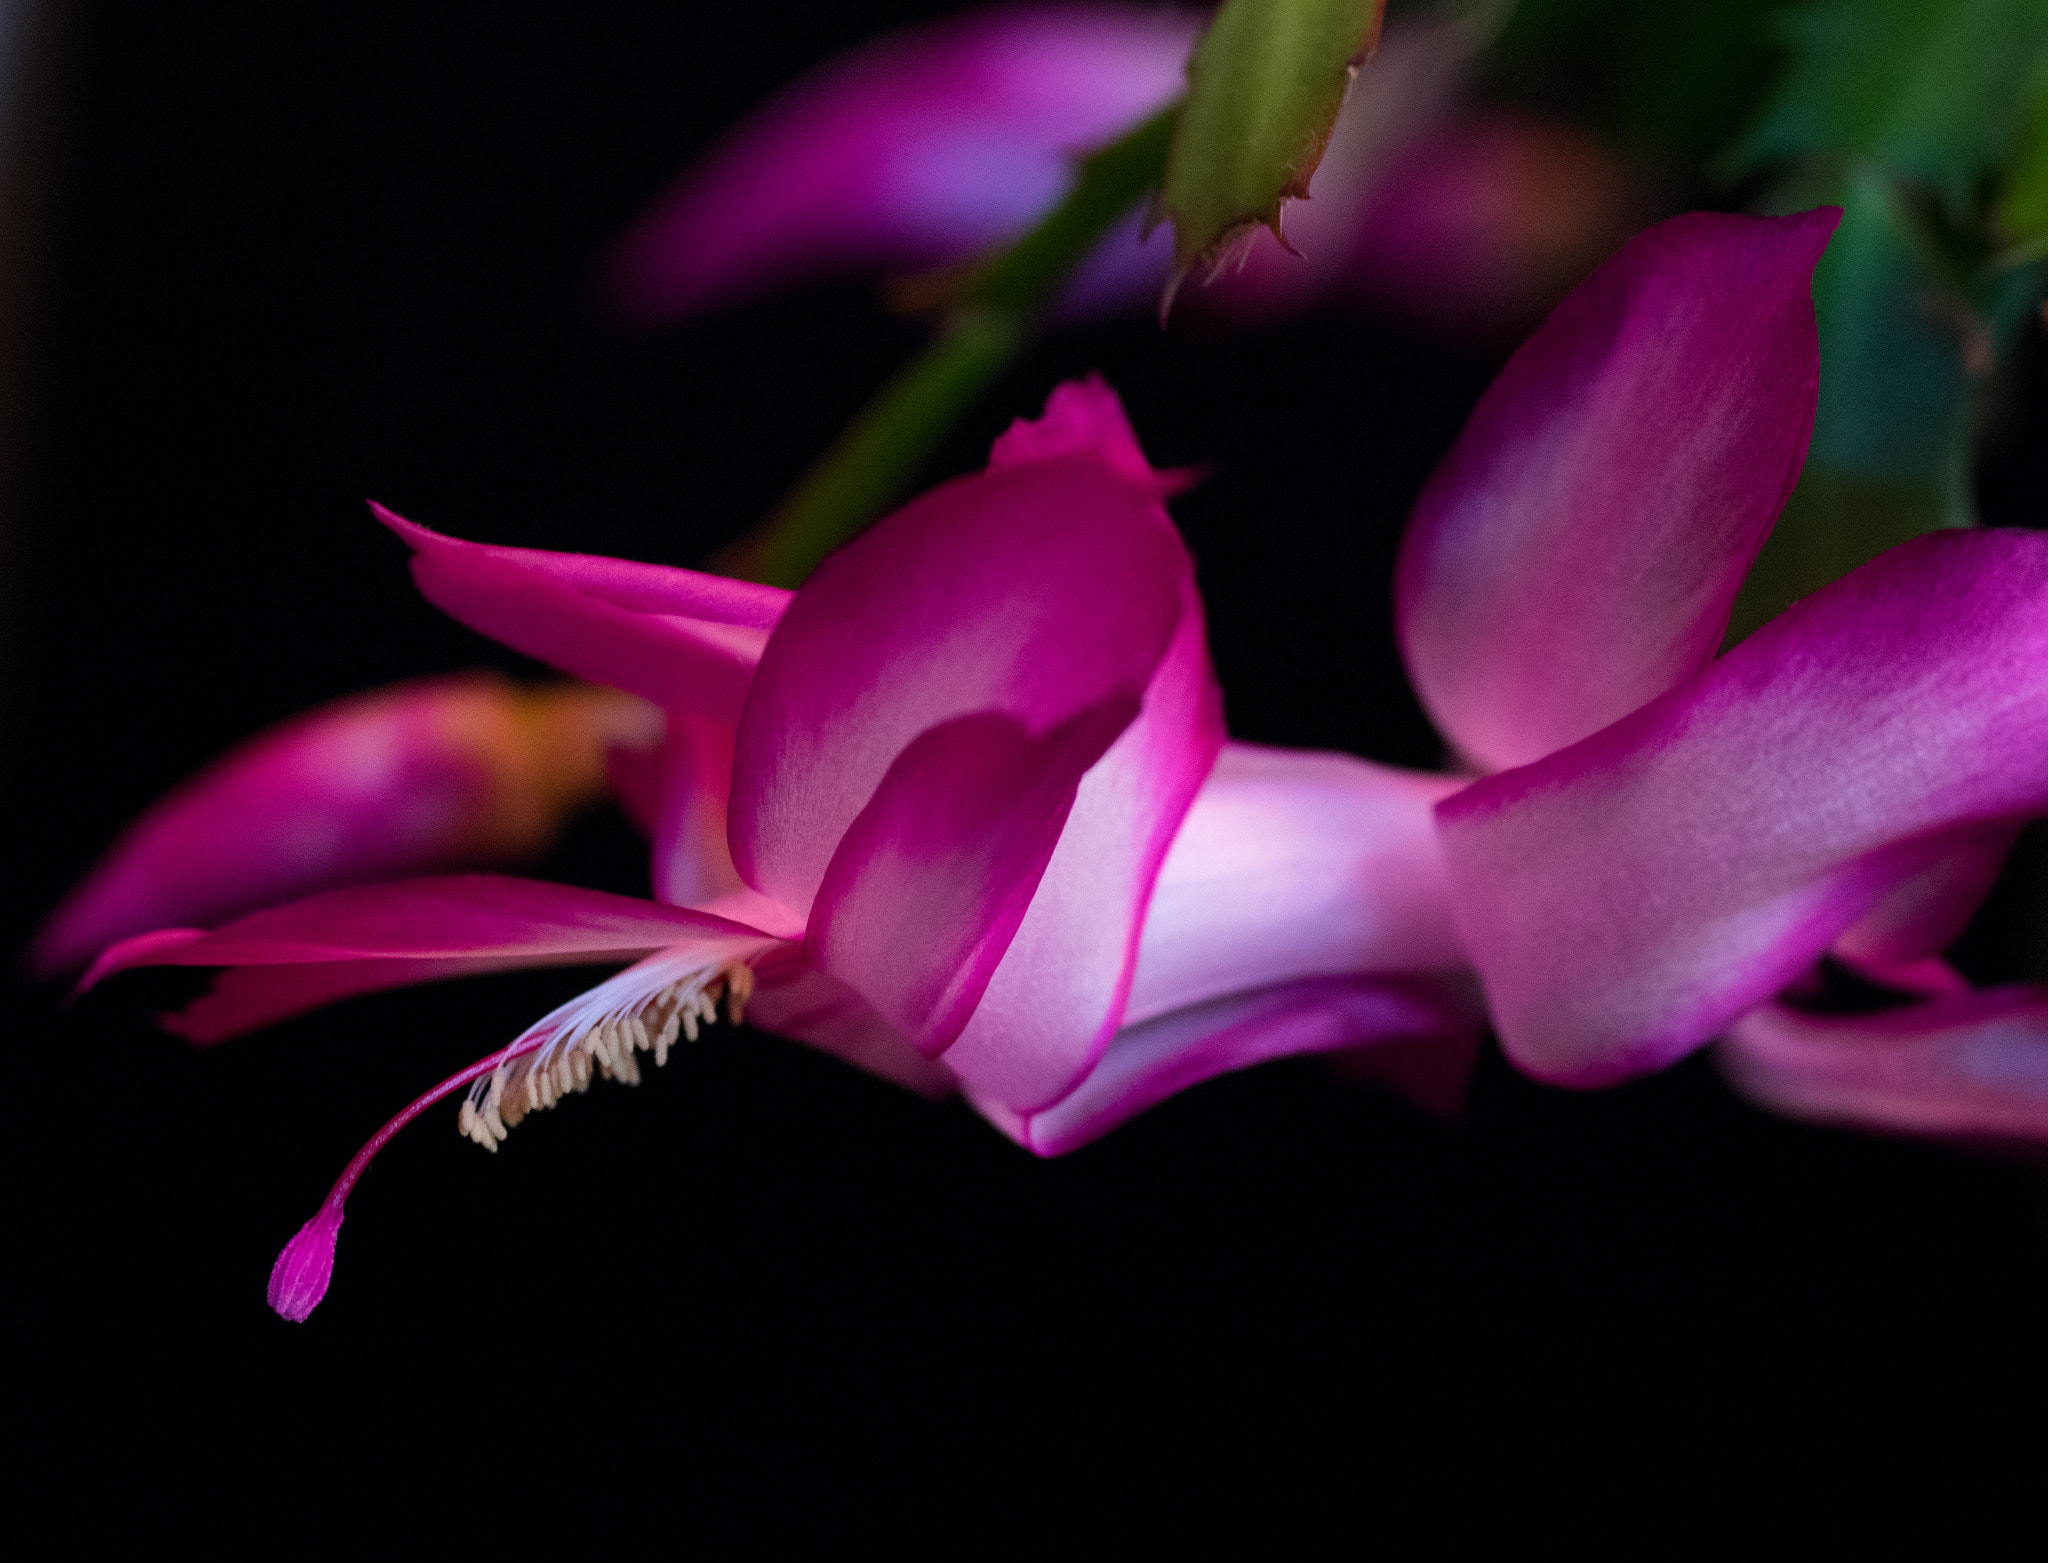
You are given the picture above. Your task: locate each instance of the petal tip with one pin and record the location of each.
(1081, 418)
(298, 1281)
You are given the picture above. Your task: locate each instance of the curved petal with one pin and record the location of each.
(1293, 864)
(1579, 549)
(934, 875)
(289, 959)
(687, 641)
(440, 774)
(1967, 1065)
(1627, 898)
(1059, 994)
(1032, 591)
(1147, 1063)
(1924, 915)
(923, 147)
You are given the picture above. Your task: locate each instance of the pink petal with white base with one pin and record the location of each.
(1032, 591)
(1580, 548)
(1295, 864)
(1059, 994)
(932, 878)
(1624, 900)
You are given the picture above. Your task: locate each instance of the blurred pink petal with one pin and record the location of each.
(923, 147)
(1627, 898)
(1482, 222)
(1927, 912)
(444, 773)
(1970, 1065)
(1579, 549)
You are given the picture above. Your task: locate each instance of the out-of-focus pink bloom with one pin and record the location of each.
(464, 772)
(1962, 1066)
(916, 150)
(938, 143)
(960, 786)
(1675, 838)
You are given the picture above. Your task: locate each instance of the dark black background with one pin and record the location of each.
(305, 255)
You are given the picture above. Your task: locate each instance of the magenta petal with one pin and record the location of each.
(1294, 864)
(1625, 899)
(1579, 549)
(1926, 913)
(921, 148)
(1032, 592)
(292, 958)
(934, 875)
(678, 793)
(687, 641)
(440, 774)
(1147, 1063)
(1966, 1065)
(797, 1000)
(1059, 993)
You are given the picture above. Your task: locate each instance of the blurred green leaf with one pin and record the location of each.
(1938, 91)
(1913, 116)
(995, 306)
(1264, 88)
(2023, 207)
(1680, 77)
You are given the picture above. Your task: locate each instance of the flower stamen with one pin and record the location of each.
(607, 1028)
(641, 1009)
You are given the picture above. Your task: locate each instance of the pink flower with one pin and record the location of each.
(1676, 837)
(984, 830)
(935, 144)
(444, 773)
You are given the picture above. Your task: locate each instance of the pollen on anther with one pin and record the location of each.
(560, 1055)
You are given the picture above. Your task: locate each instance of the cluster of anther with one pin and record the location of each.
(560, 1060)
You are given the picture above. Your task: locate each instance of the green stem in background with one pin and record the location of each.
(875, 461)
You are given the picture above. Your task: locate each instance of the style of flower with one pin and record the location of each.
(935, 144)
(1675, 838)
(423, 777)
(984, 829)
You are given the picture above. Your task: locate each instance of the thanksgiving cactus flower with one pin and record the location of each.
(445, 773)
(1675, 836)
(983, 829)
